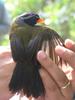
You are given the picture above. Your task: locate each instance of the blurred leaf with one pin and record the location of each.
(60, 12)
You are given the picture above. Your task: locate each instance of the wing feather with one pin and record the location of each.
(17, 48)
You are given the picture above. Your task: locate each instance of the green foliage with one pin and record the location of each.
(20, 6)
(5, 40)
(61, 13)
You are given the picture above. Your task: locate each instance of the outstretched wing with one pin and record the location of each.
(47, 40)
(49, 46)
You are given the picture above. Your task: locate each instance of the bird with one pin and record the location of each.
(28, 36)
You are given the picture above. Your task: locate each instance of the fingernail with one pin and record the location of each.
(41, 55)
(59, 50)
(69, 43)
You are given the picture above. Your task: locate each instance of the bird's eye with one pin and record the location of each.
(37, 17)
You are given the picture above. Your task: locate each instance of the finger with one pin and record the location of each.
(73, 79)
(5, 60)
(6, 96)
(70, 44)
(66, 54)
(52, 90)
(54, 71)
(48, 64)
(5, 75)
(5, 54)
(67, 90)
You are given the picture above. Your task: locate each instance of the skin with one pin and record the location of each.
(53, 77)
(6, 69)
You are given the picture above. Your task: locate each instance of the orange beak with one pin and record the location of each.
(40, 20)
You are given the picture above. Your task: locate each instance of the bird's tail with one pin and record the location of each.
(26, 80)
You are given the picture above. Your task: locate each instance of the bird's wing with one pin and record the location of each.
(17, 47)
(49, 46)
(47, 40)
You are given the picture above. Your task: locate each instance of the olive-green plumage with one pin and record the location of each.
(26, 39)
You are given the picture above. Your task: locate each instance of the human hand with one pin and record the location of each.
(53, 79)
(6, 69)
(68, 54)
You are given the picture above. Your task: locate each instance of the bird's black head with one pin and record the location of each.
(30, 19)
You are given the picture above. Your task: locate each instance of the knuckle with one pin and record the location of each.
(69, 56)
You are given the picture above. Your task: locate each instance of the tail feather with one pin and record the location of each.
(26, 79)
